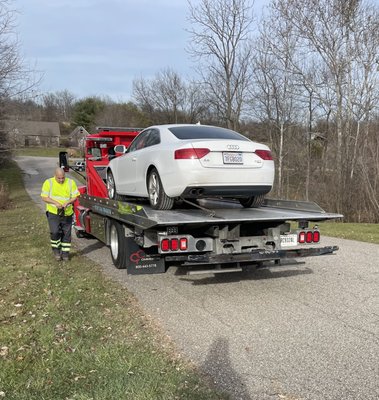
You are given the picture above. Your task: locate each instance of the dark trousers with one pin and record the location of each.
(60, 232)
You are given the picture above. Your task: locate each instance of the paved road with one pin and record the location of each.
(304, 332)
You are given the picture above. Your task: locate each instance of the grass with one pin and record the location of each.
(353, 231)
(46, 152)
(69, 333)
(39, 151)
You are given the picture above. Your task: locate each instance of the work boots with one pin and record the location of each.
(65, 256)
(57, 254)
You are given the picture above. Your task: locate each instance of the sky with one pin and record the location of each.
(97, 47)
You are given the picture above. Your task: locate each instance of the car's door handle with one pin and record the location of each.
(134, 159)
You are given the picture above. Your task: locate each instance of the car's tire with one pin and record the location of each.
(111, 186)
(157, 196)
(117, 245)
(253, 201)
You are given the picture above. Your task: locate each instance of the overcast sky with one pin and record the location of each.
(97, 47)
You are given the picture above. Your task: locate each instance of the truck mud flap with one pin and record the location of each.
(256, 256)
(141, 263)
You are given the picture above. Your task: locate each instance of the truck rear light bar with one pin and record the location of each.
(184, 243)
(309, 237)
(174, 244)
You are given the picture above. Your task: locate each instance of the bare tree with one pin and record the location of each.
(169, 99)
(165, 93)
(15, 78)
(220, 40)
(341, 39)
(58, 106)
(273, 97)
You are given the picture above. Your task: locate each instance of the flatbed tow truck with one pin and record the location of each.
(209, 236)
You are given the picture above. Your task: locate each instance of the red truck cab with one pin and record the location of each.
(99, 150)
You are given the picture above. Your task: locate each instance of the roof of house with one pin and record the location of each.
(33, 128)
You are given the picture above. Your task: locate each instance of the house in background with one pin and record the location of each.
(32, 133)
(77, 137)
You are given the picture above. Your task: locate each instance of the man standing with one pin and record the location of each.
(59, 193)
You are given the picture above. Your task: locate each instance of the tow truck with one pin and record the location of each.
(205, 236)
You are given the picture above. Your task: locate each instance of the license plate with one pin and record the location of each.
(288, 240)
(232, 158)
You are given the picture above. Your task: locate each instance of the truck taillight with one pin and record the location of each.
(165, 245)
(183, 244)
(174, 244)
(309, 237)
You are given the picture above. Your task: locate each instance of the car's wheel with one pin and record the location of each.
(253, 201)
(157, 196)
(111, 186)
(117, 244)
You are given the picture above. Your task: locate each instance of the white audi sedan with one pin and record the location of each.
(169, 162)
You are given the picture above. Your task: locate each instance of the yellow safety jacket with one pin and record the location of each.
(61, 192)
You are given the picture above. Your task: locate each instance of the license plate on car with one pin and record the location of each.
(232, 158)
(288, 240)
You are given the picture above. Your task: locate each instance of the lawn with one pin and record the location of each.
(361, 232)
(39, 151)
(69, 333)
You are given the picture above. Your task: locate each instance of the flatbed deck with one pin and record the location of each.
(212, 211)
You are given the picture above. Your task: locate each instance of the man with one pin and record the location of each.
(59, 193)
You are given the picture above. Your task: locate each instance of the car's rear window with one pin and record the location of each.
(205, 132)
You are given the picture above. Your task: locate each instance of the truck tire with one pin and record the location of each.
(157, 196)
(117, 244)
(253, 201)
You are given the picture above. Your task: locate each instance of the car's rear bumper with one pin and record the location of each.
(225, 191)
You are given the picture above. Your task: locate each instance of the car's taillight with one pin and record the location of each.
(316, 236)
(185, 154)
(264, 154)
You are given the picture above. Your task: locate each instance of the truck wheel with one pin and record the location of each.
(80, 234)
(253, 201)
(157, 196)
(111, 186)
(118, 245)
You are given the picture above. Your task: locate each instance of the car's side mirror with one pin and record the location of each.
(63, 162)
(120, 148)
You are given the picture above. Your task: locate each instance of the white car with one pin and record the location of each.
(80, 166)
(168, 162)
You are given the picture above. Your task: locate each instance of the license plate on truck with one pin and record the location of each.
(232, 158)
(288, 240)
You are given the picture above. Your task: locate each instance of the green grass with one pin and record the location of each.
(69, 333)
(354, 231)
(39, 151)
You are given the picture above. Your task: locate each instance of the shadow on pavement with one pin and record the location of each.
(92, 247)
(252, 274)
(219, 366)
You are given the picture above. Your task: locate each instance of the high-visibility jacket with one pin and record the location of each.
(61, 192)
